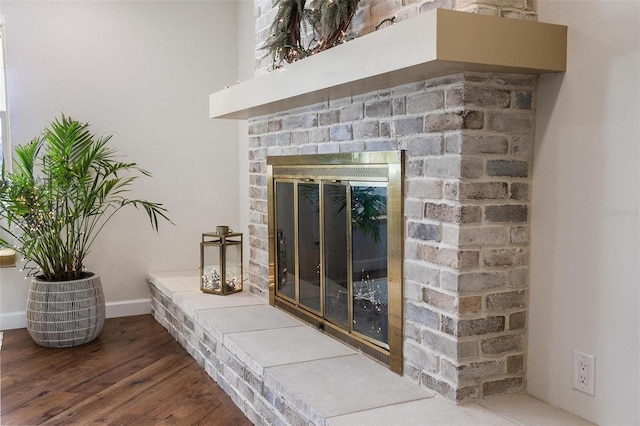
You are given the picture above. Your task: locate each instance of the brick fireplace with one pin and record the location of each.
(468, 139)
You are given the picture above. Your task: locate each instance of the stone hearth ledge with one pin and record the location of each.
(279, 370)
(276, 368)
(437, 43)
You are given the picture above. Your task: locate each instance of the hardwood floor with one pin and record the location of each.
(134, 373)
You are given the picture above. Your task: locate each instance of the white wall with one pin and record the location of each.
(246, 66)
(142, 70)
(585, 233)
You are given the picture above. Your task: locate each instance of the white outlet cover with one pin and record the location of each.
(584, 373)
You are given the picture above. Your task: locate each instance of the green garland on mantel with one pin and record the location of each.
(328, 20)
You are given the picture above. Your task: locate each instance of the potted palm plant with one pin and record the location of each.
(65, 186)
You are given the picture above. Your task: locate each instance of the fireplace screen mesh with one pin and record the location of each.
(336, 245)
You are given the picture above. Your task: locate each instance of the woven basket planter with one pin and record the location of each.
(65, 313)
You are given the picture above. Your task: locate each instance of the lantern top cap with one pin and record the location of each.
(218, 234)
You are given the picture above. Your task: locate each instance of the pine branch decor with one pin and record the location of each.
(285, 42)
(328, 20)
(331, 19)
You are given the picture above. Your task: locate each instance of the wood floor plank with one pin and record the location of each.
(134, 373)
(84, 381)
(36, 411)
(112, 398)
(158, 403)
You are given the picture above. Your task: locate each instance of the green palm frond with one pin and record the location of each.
(368, 206)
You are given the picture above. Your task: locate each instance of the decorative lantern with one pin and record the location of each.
(221, 261)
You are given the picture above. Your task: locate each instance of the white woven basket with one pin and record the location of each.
(65, 313)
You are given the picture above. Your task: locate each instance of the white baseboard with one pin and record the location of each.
(124, 308)
(13, 320)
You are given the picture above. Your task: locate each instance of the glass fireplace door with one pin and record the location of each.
(308, 247)
(336, 240)
(285, 240)
(336, 254)
(369, 260)
(341, 277)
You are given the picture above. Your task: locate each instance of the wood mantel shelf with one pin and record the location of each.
(436, 43)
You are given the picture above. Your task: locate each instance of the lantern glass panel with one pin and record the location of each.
(211, 272)
(233, 267)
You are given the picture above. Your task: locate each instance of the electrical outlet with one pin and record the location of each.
(584, 373)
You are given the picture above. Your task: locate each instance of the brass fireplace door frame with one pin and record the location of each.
(379, 166)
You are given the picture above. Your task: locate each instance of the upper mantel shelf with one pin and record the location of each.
(436, 43)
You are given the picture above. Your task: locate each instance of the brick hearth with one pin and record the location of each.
(242, 343)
